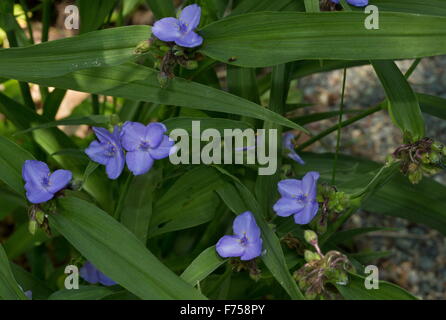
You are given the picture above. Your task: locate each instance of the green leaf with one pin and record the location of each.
(9, 288)
(312, 5)
(403, 104)
(435, 106)
(203, 265)
(139, 83)
(355, 290)
(431, 7)
(12, 157)
(271, 38)
(137, 209)
(112, 249)
(187, 204)
(92, 120)
(55, 58)
(93, 13)
(83, 293)
(29, 282)
(261, 5)
(162, 8)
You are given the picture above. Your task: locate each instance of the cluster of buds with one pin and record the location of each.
(333, 202)
(250, 266)
(321, 270)
(38, 219)
(167, 56)
(421, 157)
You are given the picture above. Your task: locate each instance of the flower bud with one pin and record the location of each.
(434, 157)
(164, 48)
(416, 176)
(436, 146)
(32, 227)
(40, 216)
(191, 65)
(310, 236)
(142, 47)
(425, 158)
(311, 256)
(163, 79)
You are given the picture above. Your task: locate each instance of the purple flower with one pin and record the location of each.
(181, 30)
(289, 145)
(246, 243)
(357, 3)
(40, 183)
(144, 145)
(107, 151)
(298, 198)
(29, 294)
(92, 275)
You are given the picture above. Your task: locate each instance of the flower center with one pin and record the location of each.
(183, 27)
(46, 181)
(244, 240)
(144, 145)
(111, 150)
(302, 197)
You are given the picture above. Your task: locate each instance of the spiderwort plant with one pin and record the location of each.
(246, 242)
(107, 151)
(40, 184)
(298, 198)
(288, 145)
(92, 275)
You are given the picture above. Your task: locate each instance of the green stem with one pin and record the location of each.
(338, 139)
(46, 17)
(28, 20)
(342, 125)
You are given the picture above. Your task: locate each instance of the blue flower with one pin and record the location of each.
(107, 151)
(40, 183)
(357, 3)
(181, 30)
(92, 275)
(298, 198)
(246, 242)
(144, 145)
(289, 146)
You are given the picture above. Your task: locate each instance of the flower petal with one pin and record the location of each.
(309, 184)
(115, 165)
(96, 151)
(59, 179)
(190, 16)
(167, 29)
(165, 149)
(154, 133)
(230, 246)
(34, 172)
(307, 214)
(132, 135)
(104, 280)
(89, 273)
(290, 188)
(139, 162)
(102, 134)
(252, 250)
(294, 156)
(37, 194)
(189, 40)
(285, 207)
(245, 225)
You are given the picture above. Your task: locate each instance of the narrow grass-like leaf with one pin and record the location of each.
(203, 265)
(9, 288)
(112, 249)
(271, 38)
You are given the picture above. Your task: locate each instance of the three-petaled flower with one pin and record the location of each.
(246, 242)
(289, 146)
(107, 151)
(356, 3)
(181, 31)
(92, 275)
(40, 183)
(298, 198)
(144, 145)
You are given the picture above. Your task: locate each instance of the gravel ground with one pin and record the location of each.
(418, 259)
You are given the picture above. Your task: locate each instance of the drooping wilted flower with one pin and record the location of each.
(181, 31)
(356, 3)
(144, 145)
(289, 148)
(107, 151)
(298, 198)
(246, 242)
(92, 275)
(40, 183)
